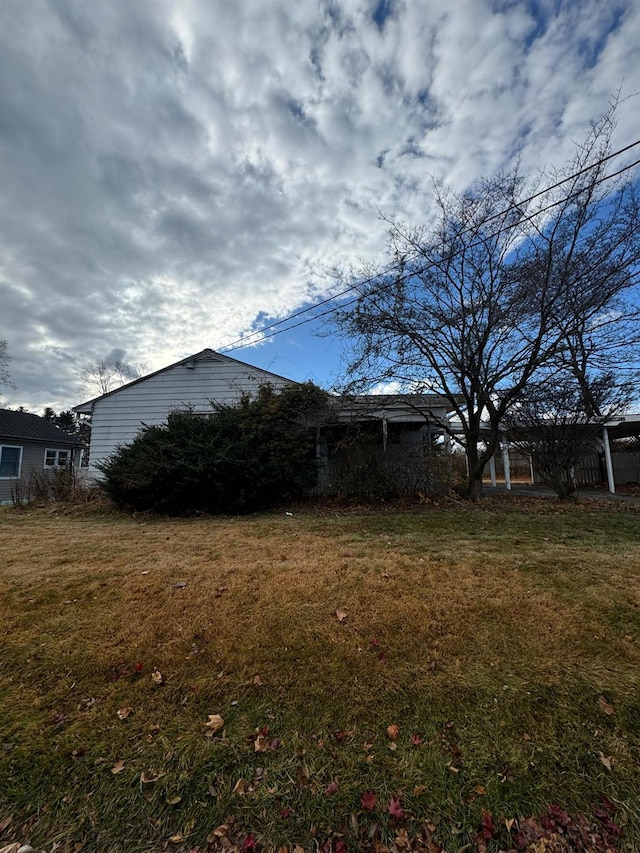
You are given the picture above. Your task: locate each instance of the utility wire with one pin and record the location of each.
(246, 340)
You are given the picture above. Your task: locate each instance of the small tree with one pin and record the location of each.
(237, 459)
(557, 423)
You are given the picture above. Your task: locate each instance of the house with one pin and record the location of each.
(31, 445)
(392, 421)
(194, 383)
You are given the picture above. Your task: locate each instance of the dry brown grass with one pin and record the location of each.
(443, 603)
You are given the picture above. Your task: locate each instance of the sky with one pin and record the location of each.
(178, 173)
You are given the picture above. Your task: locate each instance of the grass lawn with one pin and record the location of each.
(402, 679)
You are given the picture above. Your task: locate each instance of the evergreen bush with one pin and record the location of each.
(240, 458)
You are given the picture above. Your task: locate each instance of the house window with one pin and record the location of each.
(10, 459)
(56, 458)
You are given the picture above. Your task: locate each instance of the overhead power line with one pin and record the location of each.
(259, 335)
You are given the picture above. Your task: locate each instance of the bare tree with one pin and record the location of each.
(488, 298)
(103, 375)
(558, 422)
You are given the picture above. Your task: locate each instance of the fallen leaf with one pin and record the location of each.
(331, 788)
(367, 745)
(151, 776)
(607, 760)
(393, 746)
(368, 800)
(509, 823)
(260, 744)
(240, 788)
(395, 809)
(157, 677)
(416, 740)
(172, 801)
(393, 731)
(181, 585)
(118, 767)
(341, 615)
(177, 838)
(342, 735)
(488, 826)
(146, 572)
(214, 723)
(123, 713)
(480, 790)
(419, 789)
(257, 681)
(605, 707)
(302, 775)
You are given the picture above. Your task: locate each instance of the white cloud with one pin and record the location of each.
(173, 170)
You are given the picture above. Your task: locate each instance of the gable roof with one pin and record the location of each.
(28, 427)
(202, 356)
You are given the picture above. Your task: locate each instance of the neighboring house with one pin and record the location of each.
(209, 377)
(31, 445)
(193, 383)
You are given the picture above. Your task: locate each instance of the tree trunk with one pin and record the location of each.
(475, 470)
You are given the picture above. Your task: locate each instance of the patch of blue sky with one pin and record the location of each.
(382, 12)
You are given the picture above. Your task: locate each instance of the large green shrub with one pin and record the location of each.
(239, 458)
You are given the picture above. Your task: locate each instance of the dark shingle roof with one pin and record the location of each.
(33, 428)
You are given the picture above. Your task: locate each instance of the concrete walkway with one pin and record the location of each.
(527, 490)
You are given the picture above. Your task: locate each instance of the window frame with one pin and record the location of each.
(12, 447)
(56, 465)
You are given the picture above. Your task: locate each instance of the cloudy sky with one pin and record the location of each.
(178, 172)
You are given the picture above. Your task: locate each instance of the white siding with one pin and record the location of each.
(118, 417)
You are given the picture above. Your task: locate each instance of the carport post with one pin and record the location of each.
(506, 464)
(607, 460)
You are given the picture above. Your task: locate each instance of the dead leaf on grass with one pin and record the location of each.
(607, 760)
(368, 800)
(260, 744)
(214, 723)
(257, 681)
(123, 713)
(240, 788)
(341, 615)
(302, 776)
(395, 808)
(152, 776)
(419, 789)
(174, 800)
(118, 767)
(157, 677)
(176, 838)
(606, 707)
(393, 731)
